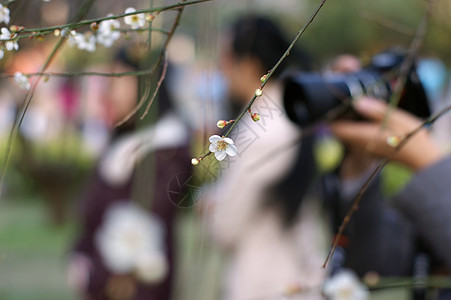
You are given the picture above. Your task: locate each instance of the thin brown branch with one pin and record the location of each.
(81, 74)
(141, 101)
(379, 167)
(268, 76)
(282, 58)
(97, 20)
(160, 59)
(399, 86)
(390, 24)
(29, 96)
(157, 88)
(406, 65)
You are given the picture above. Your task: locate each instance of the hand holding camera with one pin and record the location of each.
(373, 136)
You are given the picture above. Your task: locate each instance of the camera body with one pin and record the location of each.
(312, 97)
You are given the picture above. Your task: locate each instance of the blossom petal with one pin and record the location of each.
(9, 46)
(228, 140)
(220, 155)
(5, 31)
(215, 138)
(130, 10)
(231, 150)
(212, 147)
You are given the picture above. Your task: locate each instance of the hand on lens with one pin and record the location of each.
(379, 135)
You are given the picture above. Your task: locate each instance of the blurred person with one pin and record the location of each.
(268, 226)
(346, 63)
(409, 235)
(124, 248)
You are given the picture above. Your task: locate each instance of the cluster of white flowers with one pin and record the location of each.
(131, 241)
(86, 41)
(107, 32)
(345, 286)
(22, 81)
(135, 21)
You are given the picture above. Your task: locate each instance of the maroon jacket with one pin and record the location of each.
(99, 196)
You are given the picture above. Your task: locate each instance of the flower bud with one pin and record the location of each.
(15, 28)
(255, 117)
(57, 32)
(263, 78)
(150, 17)
(393, 141)
(222, 123)
(258, 92)
(94, 26)
(195, 161)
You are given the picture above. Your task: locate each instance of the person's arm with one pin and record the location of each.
(371, 137)
(425, 200)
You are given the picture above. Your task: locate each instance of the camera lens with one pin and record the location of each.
(309, 97)
(312, 97)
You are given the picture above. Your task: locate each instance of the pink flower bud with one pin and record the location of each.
(150, 17)
(15, 28)
(94, 26)
(255, 117)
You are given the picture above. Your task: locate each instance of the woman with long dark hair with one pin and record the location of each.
(260, 212)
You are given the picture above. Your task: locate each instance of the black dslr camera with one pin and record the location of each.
(312, 97)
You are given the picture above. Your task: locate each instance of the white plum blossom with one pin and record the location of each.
(134, 21)
(108, 32)
(85, 41)
(345, 286)
(221, 146)
(22, 81)
(6, 35)
(131, 240)
(4, 14)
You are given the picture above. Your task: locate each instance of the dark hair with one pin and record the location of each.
(259, 37)
(163, 102)
(297, 182)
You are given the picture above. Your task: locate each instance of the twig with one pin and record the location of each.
(81, 74)
(97, 20)
(379, 167)
(160, 58)
(274, 68)
(408, 61)
(406, 65)
(157, 88)
(29, 96)
(271, 72)
(387, 23)
(141, 101)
